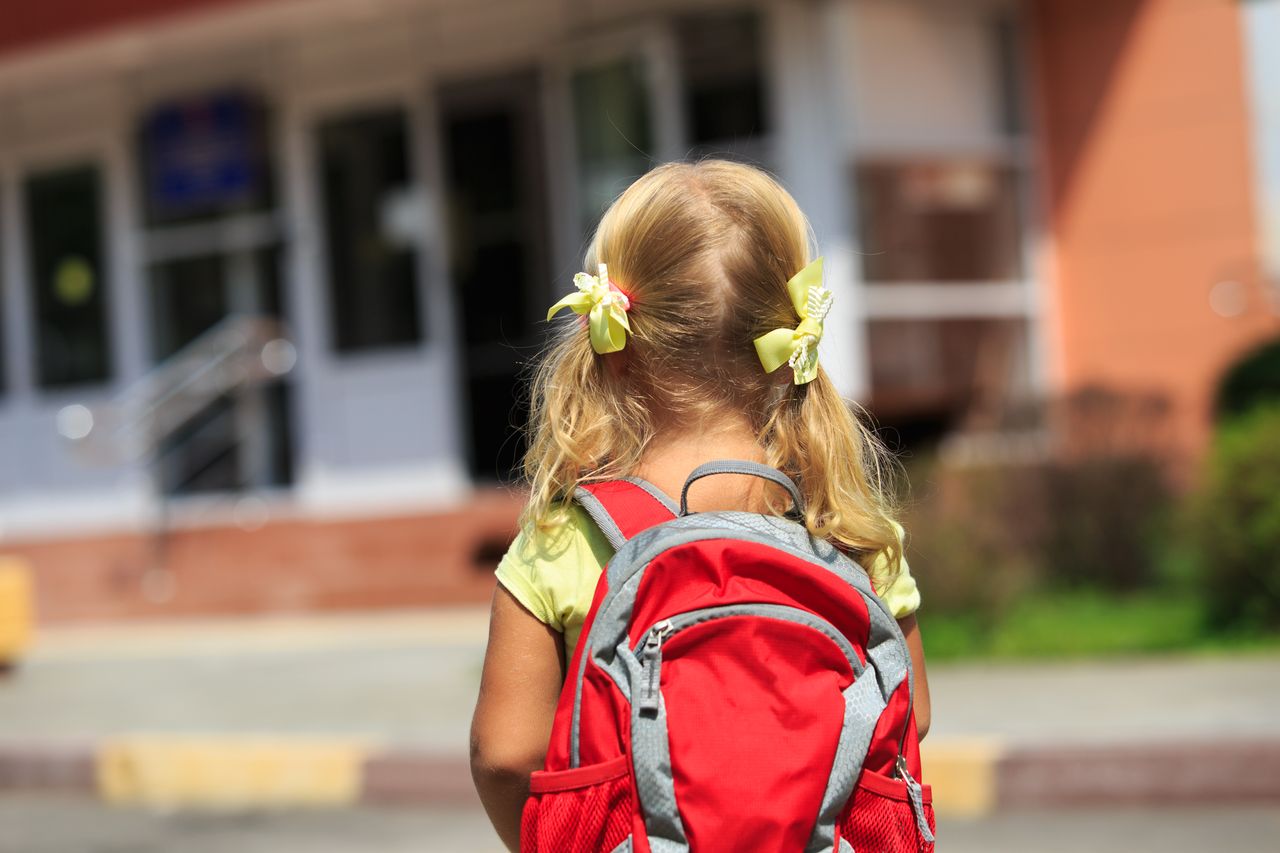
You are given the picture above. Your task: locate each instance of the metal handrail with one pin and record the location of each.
(237, 352)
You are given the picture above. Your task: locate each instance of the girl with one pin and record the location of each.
(698, 344)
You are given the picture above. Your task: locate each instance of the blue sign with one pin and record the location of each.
(204, 154)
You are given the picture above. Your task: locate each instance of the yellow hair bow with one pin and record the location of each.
(798, 347)
(606, 307)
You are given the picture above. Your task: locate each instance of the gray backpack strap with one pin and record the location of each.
(623, 508)
(741, 466)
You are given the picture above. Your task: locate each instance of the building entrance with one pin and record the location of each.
(212, 250)
(499, 255)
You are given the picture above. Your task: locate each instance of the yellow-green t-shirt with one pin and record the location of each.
(554, 575)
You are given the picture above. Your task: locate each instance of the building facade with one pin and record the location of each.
(1012, 197)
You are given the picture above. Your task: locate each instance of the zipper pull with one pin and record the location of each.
(916, 795)
(650, 658)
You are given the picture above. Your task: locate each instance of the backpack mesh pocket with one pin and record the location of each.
(879, 817)
(583, 809)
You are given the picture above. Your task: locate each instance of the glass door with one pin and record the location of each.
(212, 245)
(499, 254)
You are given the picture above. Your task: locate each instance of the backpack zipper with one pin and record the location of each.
(915, 793)
(649, 649)
(650, 661)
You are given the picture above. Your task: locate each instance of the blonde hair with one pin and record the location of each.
(704, 250)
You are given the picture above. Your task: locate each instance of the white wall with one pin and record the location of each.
(923, 72)
(384, 431)
(1261, 20)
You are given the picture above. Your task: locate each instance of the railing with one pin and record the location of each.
(168, 412)
(237, 353)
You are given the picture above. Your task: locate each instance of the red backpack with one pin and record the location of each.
(737, 686)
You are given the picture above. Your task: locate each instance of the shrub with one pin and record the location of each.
(1086, 505)
(1235, 522)
(1253, 380)
(1105, 515)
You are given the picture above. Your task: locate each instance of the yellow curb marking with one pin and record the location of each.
(229, 772)
(962, 774)
(16, 606)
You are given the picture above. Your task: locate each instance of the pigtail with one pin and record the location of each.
(846, 475)
(582, 428)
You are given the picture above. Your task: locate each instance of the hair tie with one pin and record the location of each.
(798, 347)
(606, 307)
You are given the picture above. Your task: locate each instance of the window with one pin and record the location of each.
(938, 172)
(721, 69)
(945, 369)
(939, 220)
(371, 220)
(204, 157)
(612, 132)
(68, 279)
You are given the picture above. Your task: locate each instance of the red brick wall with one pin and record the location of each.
(286, 566)
(1145, 134)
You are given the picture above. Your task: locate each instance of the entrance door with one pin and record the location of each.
(238, 441)
(496, 203)
(212, 247)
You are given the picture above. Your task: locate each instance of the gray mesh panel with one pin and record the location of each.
(863, 705)
(655, 785)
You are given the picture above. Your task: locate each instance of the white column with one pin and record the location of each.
(15, 292)
(806, 43)
(1261, 29)
(302, 286)
(128, 309)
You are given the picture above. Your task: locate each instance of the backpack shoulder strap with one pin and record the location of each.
(623, 508)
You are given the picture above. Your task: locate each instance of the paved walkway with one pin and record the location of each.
(411, 678)
(44, 824)
(375, 708)
(405, 678)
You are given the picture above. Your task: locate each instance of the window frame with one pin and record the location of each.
(1022, 298)
(303, 203)
(23, 165)
(325, 273)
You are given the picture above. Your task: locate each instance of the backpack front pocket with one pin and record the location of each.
(880, 817)
(582, 809)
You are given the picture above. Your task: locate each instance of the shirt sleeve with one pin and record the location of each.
(902, 596)
(553, 573)
(518, 572)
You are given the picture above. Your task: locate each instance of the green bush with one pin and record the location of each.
(1105, 515)
(1253, 380)
(986, 534)
(1235, 523)
(967, 541)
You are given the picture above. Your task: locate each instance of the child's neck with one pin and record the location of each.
(674, 452)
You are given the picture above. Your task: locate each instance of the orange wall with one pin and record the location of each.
(1145, 130)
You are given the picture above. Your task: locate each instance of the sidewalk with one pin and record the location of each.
(331, 710)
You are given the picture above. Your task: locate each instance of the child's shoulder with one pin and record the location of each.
(573, 536)
(547, 568)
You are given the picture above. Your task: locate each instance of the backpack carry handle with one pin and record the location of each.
(741, 466)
